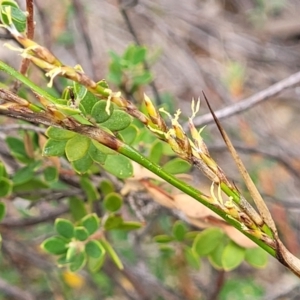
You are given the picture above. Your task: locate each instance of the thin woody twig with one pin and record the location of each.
(30, 34)
(14, 291)
(249, 102)
(137, 41)
(49, 216)
(82, 22)
(268, 154)
(22, 127)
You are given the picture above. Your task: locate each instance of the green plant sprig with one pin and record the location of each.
(112, 142)
(236, 211)
(179, 143)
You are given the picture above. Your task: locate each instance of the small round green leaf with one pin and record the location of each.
(6, 187)
(64, 228)
(113, 202)
(232, 256)
(118, 121)
(129, 134)
(97, 155)
(83, 164)
(78, 262)
(118, 165)
(2, 210)
(179, 230)
(90, 223)
(88, 102)
(54, 147)
(256, 257)
(177, 166)
(94, 249)
(55, 245)
(50, 174)
(59, 134)
(156, 152)
(207, 241)
(77, 147)
(215, 257)
(99, 113)
(81, 233)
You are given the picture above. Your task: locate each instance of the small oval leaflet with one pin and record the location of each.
(90, 223)
(59, 134)
(207, 241)
(83, 164)
(55, 245)
(112, 202)
(232, 256)
(64, 228)
(94, 249)
(119, 165)
(77, 147)
(54, 148)
(118, 121)
(99, 113)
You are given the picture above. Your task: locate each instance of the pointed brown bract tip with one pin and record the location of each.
(214, 116)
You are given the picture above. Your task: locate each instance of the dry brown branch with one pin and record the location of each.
(250, 102)
(45, 217)
(14, 291)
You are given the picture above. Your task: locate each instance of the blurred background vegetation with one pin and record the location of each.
(231, 49)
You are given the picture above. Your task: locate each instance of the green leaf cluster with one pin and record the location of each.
(82, 152)
(212, 243)
(74, 244)
(83, 242)
(127, 71)
(33, 173)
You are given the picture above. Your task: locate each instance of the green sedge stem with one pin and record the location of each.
(189, 190)
(14, 73)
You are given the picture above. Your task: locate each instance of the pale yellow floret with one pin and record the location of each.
(165, 112)
(220, 194)
(53, 73)
(212, 193)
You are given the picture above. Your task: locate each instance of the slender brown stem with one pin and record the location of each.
(241, 106)
(14, 291)
(30, 34)
(137, 41)
(219, 284)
